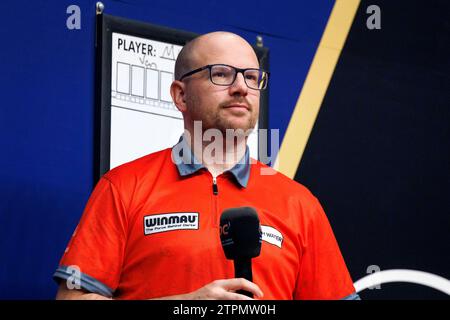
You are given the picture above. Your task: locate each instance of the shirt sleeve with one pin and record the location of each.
(96, 251)
(323, 273)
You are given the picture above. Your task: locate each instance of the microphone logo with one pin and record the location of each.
(224, 229)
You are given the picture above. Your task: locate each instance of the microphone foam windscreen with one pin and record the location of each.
(240, 233)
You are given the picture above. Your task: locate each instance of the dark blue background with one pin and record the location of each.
(47, 109)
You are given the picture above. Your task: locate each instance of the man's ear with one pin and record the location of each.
(178, 95)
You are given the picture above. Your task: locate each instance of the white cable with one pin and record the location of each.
(404, 275)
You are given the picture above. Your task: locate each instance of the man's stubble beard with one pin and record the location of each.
(213, 120)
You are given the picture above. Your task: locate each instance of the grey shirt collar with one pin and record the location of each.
(187, 164)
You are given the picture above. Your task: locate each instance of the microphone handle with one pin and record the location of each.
(243, 269)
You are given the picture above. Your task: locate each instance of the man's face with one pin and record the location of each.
(222, 107)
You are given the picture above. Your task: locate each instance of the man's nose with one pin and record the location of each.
(239, 86)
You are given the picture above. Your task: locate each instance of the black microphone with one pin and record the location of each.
(240, 234)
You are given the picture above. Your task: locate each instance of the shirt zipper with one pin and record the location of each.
(214, 202)
(215, 187)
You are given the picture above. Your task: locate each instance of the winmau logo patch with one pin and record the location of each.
(170, 221)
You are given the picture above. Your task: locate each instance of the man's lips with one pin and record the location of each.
(237, 106)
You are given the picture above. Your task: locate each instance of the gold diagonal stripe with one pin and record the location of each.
(315, 86)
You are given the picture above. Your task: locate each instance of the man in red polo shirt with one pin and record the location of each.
(150, 229)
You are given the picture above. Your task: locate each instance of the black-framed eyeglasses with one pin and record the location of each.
(225, 75)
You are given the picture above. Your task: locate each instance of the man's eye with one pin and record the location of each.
(252, 76)
(219, 74)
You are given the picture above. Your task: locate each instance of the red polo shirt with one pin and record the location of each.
(151, 229)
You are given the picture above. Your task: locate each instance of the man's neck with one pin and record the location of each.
(215, 156)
